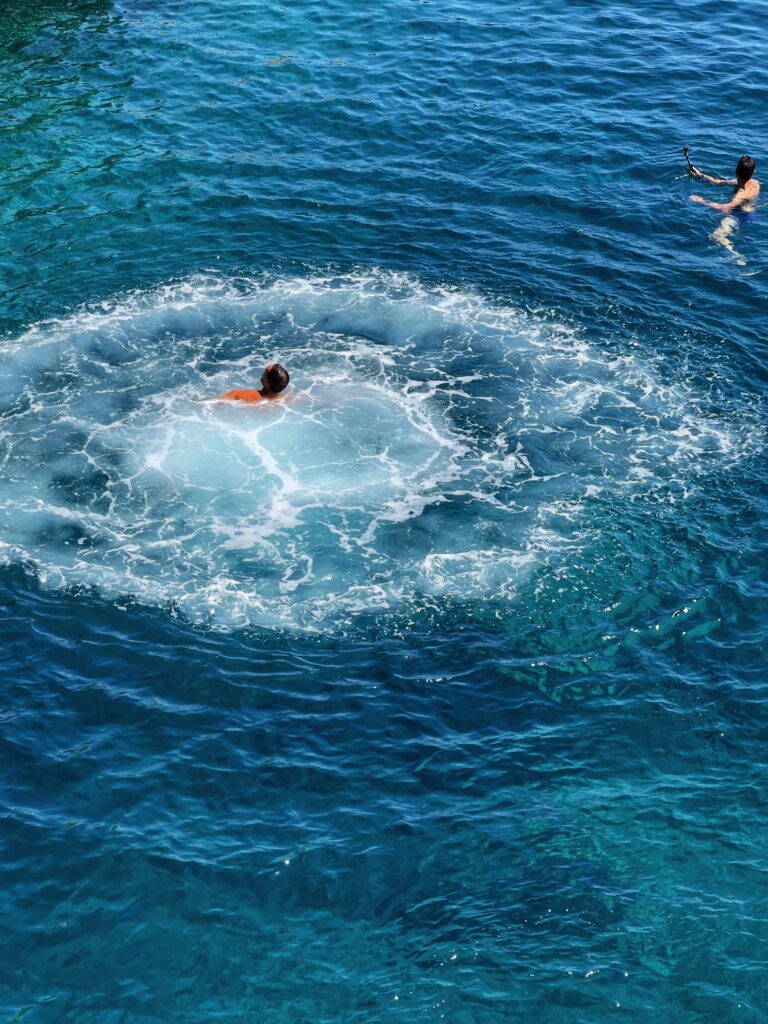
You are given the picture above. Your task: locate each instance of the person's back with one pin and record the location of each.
(243, 395)
(746, 185)
(751, 192)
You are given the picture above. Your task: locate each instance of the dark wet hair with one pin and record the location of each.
(277, 378)
(745, 168)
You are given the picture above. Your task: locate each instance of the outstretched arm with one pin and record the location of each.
(738, 200)
(706, 177)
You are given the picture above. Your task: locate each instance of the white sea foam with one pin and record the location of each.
(441, 447)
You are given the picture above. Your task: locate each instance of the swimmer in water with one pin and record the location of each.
(746, 189)
(274, 380)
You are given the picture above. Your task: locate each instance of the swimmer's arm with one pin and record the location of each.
(710, 178)
(738, 200)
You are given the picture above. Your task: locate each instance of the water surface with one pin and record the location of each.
(437, 692)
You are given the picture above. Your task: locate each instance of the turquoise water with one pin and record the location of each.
(436, 693)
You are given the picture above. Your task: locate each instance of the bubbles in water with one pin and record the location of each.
(438, 447)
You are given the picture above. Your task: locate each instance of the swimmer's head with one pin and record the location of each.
(745, 168)
(275, 378)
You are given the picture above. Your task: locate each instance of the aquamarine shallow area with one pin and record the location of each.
(439, 693)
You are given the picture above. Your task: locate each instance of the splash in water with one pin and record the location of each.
(442, 448)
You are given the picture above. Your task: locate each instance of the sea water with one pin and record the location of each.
(436, 691)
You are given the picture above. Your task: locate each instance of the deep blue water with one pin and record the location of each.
(437, 693)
